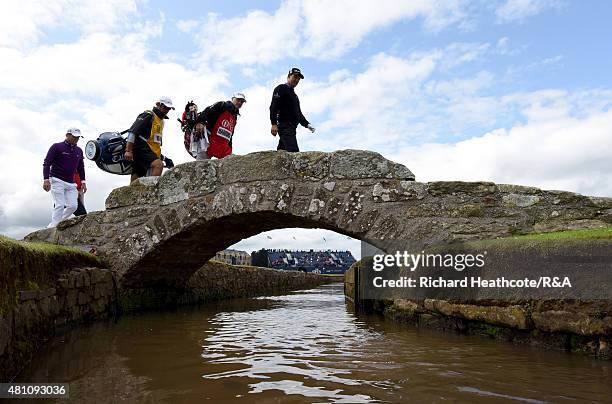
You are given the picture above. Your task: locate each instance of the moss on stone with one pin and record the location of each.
(537, 240)
(591, 234)
(492, 330)
(582, 344)
(569, 236)
(400, 315)
(599, 315)
(35, 266)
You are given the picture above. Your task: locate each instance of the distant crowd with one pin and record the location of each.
(304, 260)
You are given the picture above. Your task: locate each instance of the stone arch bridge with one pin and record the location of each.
(158, 231)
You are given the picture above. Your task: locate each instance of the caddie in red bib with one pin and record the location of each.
(219, 121)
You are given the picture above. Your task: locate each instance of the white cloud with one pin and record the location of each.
(503, 47)
(315, 28)
(395, 100)
(331, 27)
(554, 150)
(23, 22)
(258, 37)
(518, 10)
(459, 53)
(187, 26)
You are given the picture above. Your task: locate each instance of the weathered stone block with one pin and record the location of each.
(141, 192)
(259, 166)
(573, 322)
(26, 317)
(522, 201)
(84, 298)
(95, 275)
(25, 295)
(71, 298)
(440, 188)
(102, 289)
(54, 305)
(98, 306)
(311, 166)
(556, 224)
(407, 305)
(46, 293)
(518, 189)
(393, 191)
(86, 278)
(63, 283)
(44, 306)
(359, 164)
(72, 279)
(601, 202)
(78, 279)
(5, 332)
(509, 316)
(107, 276)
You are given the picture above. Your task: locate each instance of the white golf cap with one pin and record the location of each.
(239, 96)
(166, 101)
(74, 132)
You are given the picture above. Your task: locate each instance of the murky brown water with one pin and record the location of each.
(301, 348)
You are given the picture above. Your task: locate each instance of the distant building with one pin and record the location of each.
(233, 257)
(324, 262)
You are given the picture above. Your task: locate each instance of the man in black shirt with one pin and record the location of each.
(285, 112)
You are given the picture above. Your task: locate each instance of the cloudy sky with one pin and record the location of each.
(511, 91)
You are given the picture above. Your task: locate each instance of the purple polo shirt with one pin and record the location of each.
(62, 161)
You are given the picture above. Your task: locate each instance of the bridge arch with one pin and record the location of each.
(159, 231)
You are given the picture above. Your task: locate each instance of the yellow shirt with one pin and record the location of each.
(155, 137)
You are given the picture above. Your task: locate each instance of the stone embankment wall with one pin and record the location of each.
(82, 294)
(573, 325)
(217, 281)
(582, 327)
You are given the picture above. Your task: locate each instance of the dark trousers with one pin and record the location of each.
(80, 208)
(287, 137)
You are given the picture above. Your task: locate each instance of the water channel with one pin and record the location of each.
(303, 347)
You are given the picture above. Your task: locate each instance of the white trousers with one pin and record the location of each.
(198, 148)
(64, 197)
(202, 155)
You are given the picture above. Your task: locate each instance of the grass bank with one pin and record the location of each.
(33, 266)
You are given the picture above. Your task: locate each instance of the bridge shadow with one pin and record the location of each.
(173, 261)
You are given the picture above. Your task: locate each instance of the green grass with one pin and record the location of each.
(604, 233)
(544, 240)
(558, 238)
(31, 266)
(40, 248)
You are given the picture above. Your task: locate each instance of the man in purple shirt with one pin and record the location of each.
(62, 161)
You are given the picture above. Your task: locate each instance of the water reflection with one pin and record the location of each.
(303, 347)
